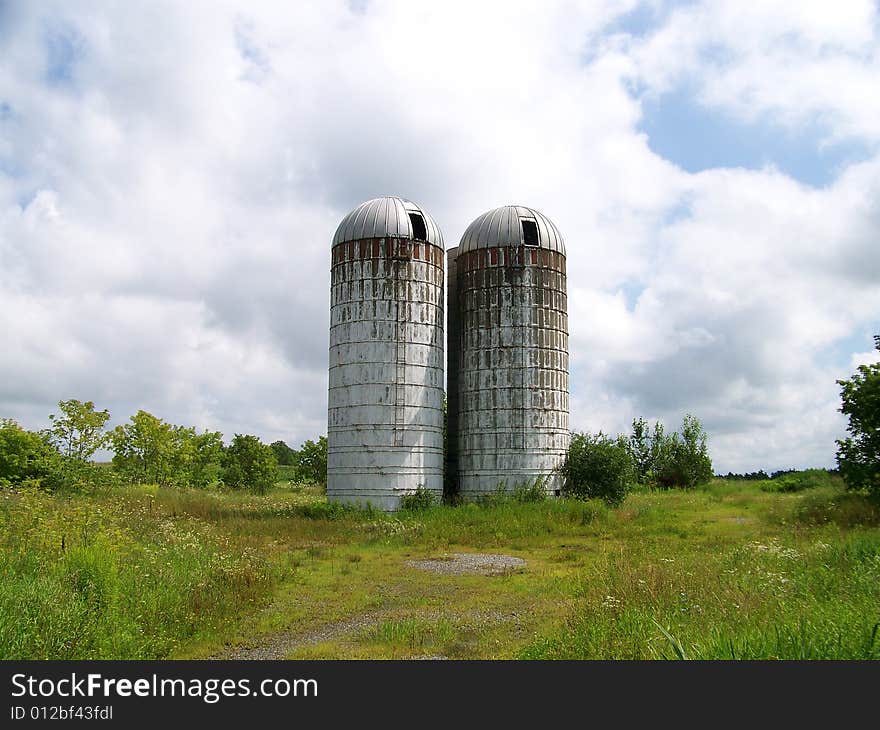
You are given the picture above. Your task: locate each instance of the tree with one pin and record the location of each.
(79, 431)
(144, 449)
(311, 461)
(249, 464)
(195, 459)
(598, 466)
(640, 449)
(25, 455)
(147, 450)
(692, 453)
(682, 459)
(206, 459)
(283, 453)
(858, 457)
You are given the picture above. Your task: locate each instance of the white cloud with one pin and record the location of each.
(166, 203)
(817, 63)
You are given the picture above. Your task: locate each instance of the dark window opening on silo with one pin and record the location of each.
(420, 233)
(530, 233)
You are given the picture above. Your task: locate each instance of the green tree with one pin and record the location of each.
(858, 456)
(598, 466)
(682, 459)
(311, 461)
(195, 459)
(283, 453)
(249, 464)
(144, 449)
(640, 450)
(25, 455)
(692, 453)
(78, 432)
(207, 459)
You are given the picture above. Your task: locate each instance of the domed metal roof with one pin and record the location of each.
(388, 216)
(504, 227)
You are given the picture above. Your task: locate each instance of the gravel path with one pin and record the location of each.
(280, 645)
(463, 563)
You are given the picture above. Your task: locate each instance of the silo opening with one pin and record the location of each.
(420, 233)
(530, 233)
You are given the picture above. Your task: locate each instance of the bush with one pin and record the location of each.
(26, 456)
(421, 499)
(148, 450)
(674, 460)
(598, 466)
(798, 481)
(249, 464)
(683, 460)
(311, 461)
(530, 491)
(534, 491)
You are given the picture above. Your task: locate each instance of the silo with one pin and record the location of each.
(385, 418)
(508, 353)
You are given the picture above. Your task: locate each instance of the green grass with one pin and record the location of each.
(733, 570)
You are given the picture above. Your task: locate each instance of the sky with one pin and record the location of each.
(171, 175)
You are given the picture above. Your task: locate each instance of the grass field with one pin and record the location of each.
(734, 570)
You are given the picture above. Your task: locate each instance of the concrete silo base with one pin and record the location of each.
(381, 498)
(475, 485)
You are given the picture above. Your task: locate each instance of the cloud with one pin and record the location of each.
(764, 60)
(171, 176)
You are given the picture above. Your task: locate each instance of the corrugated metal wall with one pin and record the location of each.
(385, 421)
(508, 354)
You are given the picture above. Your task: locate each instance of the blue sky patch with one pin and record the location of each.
(696, 138)
(839, 355)
(64, 48)
(631, 290)
(641, 20)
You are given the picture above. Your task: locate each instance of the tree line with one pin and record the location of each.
(147, 450)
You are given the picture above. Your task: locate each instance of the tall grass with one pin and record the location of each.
(808, 593)
(730, 570)
(92, 578)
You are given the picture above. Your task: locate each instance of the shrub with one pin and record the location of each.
(533, 491)
(311, 461)
(797, 481)
(147, 450)
(249, 464)
(598, 466)
(674, 460)
(26, 456)
(683, 459)
(421, 499)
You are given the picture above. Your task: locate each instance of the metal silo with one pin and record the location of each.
(508, 353)
(385, 418)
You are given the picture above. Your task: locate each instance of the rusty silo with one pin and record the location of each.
(508, 353)
(385, 419)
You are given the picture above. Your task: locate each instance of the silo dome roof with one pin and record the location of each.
(504, 227)
(388, 216)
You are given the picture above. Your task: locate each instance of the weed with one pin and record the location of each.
(421, 499)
